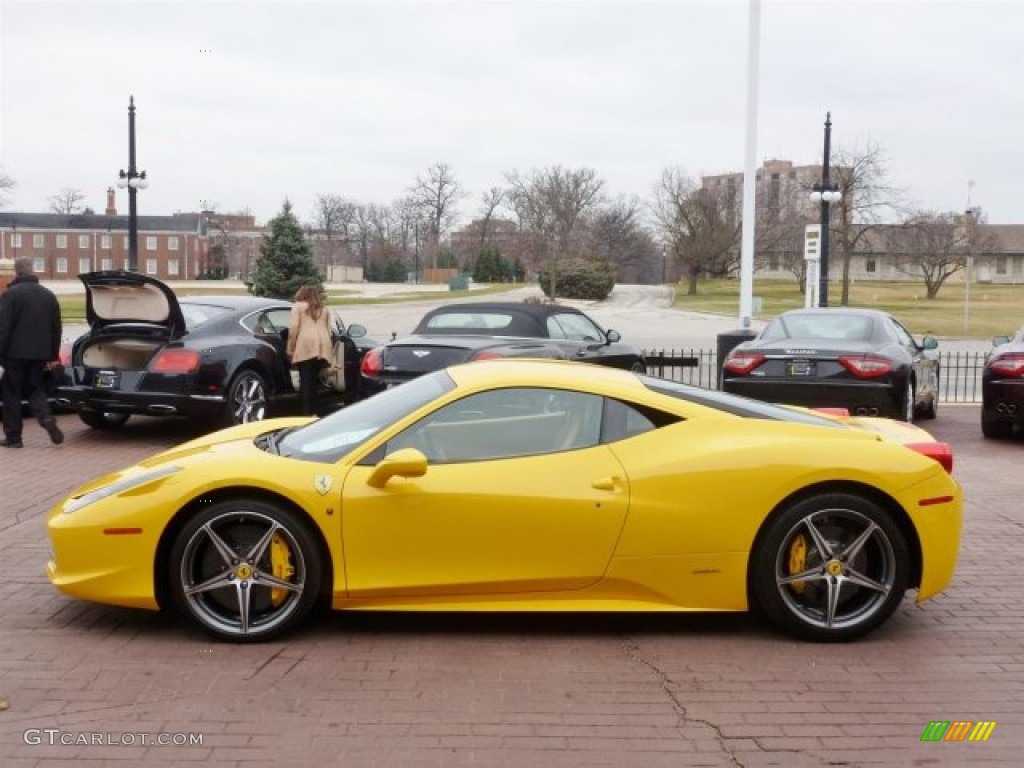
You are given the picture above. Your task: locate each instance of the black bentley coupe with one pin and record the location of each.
(215, 358)
(461, 333)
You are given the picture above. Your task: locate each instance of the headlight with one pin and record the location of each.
(120, 486)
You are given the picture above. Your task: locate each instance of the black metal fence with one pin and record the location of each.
(959, 377)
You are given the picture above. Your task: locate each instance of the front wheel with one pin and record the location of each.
(247, 399)
(245, 570)
(830, 568)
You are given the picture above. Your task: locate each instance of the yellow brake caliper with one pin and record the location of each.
(281, 564)
(798, 561)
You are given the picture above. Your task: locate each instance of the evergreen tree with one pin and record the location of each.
(286, 261)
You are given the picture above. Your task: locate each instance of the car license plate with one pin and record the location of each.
(105, 379)
(800, 368)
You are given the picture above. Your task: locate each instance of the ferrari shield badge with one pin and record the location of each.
(322, 483)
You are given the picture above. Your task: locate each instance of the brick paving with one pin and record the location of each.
(506, 690)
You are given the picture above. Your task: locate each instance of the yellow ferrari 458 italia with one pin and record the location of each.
(512, 485)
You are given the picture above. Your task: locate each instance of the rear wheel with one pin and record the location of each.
(245, 570)
(995, 429)
(247, 399)
(830, 568)
(103, 419)
(907, 407)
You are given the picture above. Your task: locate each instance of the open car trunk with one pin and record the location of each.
(120, 354)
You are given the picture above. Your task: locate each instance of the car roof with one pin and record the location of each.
(536, 310)
(240, 303)
(836, 310)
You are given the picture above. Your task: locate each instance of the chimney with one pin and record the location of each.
(111, 210)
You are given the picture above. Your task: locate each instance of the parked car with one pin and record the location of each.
(460, 333)
(863, 360)
(524, 485)
(216, 358)
(1002, 387)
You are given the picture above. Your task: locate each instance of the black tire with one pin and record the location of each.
(995, 429)
(638, 367)
(931, 410)
(850, 586)
(247, 399)
(247, 554)
(104, 420)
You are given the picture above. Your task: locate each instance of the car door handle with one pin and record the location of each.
(606, 484)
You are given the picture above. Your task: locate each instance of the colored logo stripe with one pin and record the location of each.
(958, 730)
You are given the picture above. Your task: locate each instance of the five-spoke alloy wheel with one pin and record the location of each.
(247, 399)
(831, 567)
(245, 570)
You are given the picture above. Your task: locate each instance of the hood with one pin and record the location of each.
(127, 297)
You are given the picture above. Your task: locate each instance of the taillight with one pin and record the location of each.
(176, 361)
(64, 356)
(866, 366)
(941, 452)
(372, 363)
(1011, 365)
(486, 355)
(742, 363)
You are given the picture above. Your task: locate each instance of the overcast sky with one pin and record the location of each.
(246, 103)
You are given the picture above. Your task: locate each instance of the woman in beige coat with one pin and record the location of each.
(309, 343)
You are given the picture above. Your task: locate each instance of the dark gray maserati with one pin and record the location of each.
(461, 333)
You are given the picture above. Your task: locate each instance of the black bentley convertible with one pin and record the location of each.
(216, 358)
(461, 333)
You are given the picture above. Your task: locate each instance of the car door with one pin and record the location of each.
(271, 326)
(925, 368)
(518, 496)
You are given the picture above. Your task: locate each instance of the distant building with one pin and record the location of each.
(65, 246)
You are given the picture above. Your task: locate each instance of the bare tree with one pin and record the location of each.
(334, 217)
(6, 184)
(695, 224)
(436, 195)
(866, 197)
(67, 201)
(552, 201)
(492, 199)
(935, 246)
(617, 234)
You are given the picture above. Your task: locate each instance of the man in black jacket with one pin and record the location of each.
(30, 332)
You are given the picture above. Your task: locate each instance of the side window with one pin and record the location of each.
(576, 327)
(624, 420)
(902, 334)
(506, 423)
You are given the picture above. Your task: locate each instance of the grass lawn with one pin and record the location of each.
(993, 309)
(72, 305)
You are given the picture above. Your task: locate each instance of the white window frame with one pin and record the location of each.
(15, 239)
(84, 264)
(150, 242)
(107, 264)
(151, 268)
(62, 241)
(105, 242)
(126, 265)
(62, 265)
(38, 241)
(172, 268)
(39, 264)
(83, 241)
(172, 243)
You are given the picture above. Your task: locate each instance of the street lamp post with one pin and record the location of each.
(133, 180)
(825, 192)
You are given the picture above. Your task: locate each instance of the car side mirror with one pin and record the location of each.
(613, 336)
(929, 342)
(356, 331)
(998, 340)
(406, 462)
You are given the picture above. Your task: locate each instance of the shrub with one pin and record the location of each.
(591, 279)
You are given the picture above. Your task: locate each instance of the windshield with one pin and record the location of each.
(330, 438)
(734, 404)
